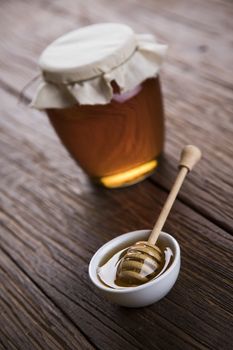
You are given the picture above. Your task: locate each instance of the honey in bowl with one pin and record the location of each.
(108, 273)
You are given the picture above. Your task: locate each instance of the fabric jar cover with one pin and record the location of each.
(80, 66)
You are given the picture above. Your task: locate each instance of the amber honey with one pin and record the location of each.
(118, 143)
(108, 272)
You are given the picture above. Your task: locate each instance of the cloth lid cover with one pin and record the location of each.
(80, 66)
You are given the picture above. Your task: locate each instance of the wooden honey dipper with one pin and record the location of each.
(143, 260)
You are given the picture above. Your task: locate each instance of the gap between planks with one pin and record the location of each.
(227, 228)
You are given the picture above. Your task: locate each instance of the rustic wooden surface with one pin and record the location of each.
(49, 209)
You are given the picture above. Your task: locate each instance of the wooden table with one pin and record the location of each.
(53, 219)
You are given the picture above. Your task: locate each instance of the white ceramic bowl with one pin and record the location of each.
(147, 293)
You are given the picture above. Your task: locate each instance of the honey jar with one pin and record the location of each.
(102, 94)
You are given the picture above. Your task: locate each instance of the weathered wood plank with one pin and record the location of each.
(48, 218)
(29, 320)
(197, 310)
(198, 102)
(49, 209)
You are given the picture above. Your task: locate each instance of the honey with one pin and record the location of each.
(101, 91)
(108, 272)
(118, 143)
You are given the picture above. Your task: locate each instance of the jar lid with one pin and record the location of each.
(80, 66)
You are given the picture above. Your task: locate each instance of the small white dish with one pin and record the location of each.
(147, 293)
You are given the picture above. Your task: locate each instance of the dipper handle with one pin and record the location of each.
(190, 155)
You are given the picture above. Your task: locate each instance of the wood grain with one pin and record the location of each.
(30, 320)
(197, 78)
(49, 209)
(45, 229)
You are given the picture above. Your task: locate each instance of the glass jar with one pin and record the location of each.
(119, 143)
(111, 123)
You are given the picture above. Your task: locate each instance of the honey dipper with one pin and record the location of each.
(143, 260)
